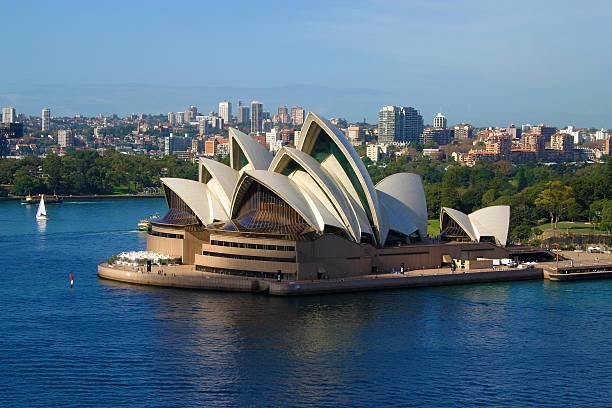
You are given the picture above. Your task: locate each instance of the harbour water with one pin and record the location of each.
(105, 344)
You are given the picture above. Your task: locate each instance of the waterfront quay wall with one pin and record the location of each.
(401, 282)
(178, 276)
(185, 276)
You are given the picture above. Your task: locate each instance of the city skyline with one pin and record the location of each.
(477, 62)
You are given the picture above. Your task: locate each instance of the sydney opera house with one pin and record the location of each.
(311, 212)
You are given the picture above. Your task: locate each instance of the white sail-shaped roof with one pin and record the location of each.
(396, 212)
(492, 222)
(341, 179)
(280, 185)
(242, 145)
(487, 222)
(407, 188)
(333, 193)
(320, 205)
(461, 219)
(350, 163)
(324, 181)
(220, 180)
(197, 196)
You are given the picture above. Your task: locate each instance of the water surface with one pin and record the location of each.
(112, 344)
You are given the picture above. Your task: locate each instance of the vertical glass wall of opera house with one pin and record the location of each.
(169, 234)
(259, 241)
(179, 213)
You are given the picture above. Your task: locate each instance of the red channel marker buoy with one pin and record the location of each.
(71, 280)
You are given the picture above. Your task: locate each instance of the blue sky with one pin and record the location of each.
(483, 62)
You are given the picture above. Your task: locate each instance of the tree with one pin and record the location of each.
(520, 232)
(521, 180)
(432, 196)
(449, 197)
(555, 199)
(471, 200)
(26, 184)
(52, 167)
(606, 216)
(488, 197)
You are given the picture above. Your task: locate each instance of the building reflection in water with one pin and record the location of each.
(226, 348)
(301, 345)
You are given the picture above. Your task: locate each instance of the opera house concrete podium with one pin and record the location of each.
(308, 213)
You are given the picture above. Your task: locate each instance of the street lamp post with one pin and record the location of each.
(557, 250)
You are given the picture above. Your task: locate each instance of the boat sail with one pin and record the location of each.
(41, 214)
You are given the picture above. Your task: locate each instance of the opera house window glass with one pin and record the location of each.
(179, 213)
(451, 231)
(263, 211)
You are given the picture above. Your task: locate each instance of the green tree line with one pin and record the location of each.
(87, 172)
(535, 192)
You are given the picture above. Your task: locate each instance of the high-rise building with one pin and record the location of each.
(499, 144)
(296, 137)
(179, 118)
(356, 134)
(440, 121)
(297, 115)
(399, 124)
(46, 119)
(256, 116)
(373, 152)
(602, 134)
(217, 122)
(562, 141)
(204, 126)
(266, 125)
(390, 125)
(210, 148)
(225, 111)
(463, 131)
(171, 118)
(534, 142)
(243, 114)
(544, 130)
(65, 137)
(577, 134)
(176, 144)
(283, 114)
(197, 146)
(187, 116)
(413, 124)
(438, 135)
(8, 115)
(194, 111)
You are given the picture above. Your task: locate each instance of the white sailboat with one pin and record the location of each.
(41, 214)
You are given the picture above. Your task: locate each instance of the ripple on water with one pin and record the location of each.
(110, 344)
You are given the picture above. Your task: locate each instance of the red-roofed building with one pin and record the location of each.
(261, 139)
